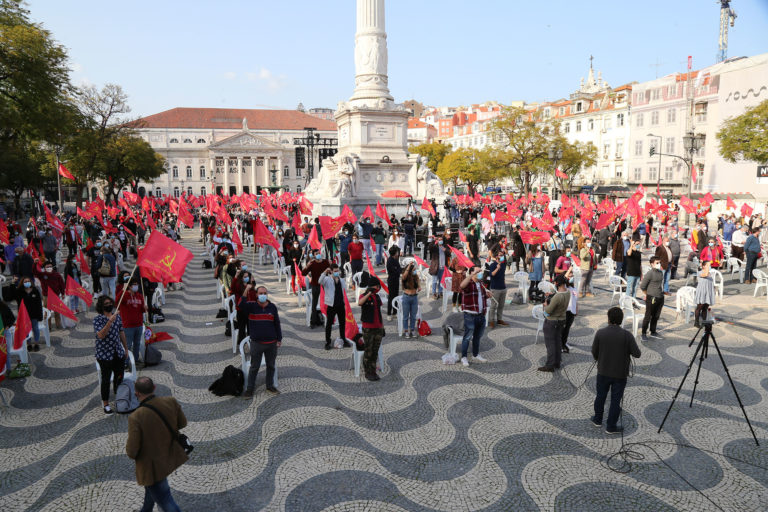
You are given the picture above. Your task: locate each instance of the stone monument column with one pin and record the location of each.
(371, 80)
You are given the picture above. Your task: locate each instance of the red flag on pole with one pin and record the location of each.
(55, 304)
(373, 274)
(23, 326)
(746, 210)
(535, 237)
(64, 172)
(76, 290)
(238, 242)
(367, 213)
(165, 257)
(381, 211)
(261, 235)
(350, 324)
(300, 277)
(729, 203)
(5, 235)
(426, 205)
(84, 268)
(463, 260)
(184, 216)
(313, 240)
(560, 174)
(420, 261)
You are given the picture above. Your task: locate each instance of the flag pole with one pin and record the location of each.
(125, 288)
(58, 180)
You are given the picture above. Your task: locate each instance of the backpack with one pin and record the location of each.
(207, 264)
(231, 382)
(152, 356)
(125, 399)
(424, 328)
(105, 269)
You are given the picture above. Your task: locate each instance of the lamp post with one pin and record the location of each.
(555, 154)
(273, 172)
(692, 142)
(651, 152)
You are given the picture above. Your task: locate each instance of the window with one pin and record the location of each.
(654, 118)
(654, 145)
(189, 171)
(636, 174)
(174, 141)
(619, 148)
(619, 119)
(638, 148)
(607, 150)
(596, 105)
(561, 111)
(187, 141)
(202, 172)
(158, 192)
(639, 120)
(175, 171)
(669, 146)
(699, 185)
(189, 191)
(672, 91)
(578, 126)
(668, 173)
(286, 172)
(298, 172)
(567, 127)
(655, 94)
(591, 124)
(578, 107)
(701, 112)
(202, 191)
(652, 173)
(671, 116)
(176, 192)
(607, 123)
(298, 189)
(201, 141)
(619, 171)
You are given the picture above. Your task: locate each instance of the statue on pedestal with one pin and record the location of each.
(348, 167)
(433, 185)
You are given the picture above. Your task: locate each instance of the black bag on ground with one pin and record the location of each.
(223, 313)
(207, 264)
(228, 328)
(152, 356)
(231, 382)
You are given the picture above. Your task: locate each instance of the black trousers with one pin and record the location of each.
(394, 291)
(96, 279)
(569, 317)
(114, 366)
(72, 249)
(315, 318)
(331, 313)
(653, 306)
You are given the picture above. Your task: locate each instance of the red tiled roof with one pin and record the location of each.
(232, 118)
(415, 123)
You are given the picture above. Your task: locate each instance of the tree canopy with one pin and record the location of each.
(745, 137)
(434, 151)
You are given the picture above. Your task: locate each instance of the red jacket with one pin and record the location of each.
(132, 309)
(355, 251)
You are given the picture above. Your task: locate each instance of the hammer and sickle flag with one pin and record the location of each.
(164, 257)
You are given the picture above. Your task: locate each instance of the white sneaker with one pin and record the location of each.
(455, 309)
(464, 361)
(480, 358)
(389, 318)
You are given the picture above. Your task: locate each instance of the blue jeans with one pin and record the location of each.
(379, 253)
(667, 274)
(108, 286)
(410, 304)
(474, 325)
(617, 392)
(133, 341)
(751, 264)
(35, 330)
(159, 493)
(367, 246)
(621, 269)
(632, 282)
(436, 286)
(409, 243)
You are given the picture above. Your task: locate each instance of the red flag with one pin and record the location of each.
(560, 174)
(707, 199)
(462, 236)
(84, 268)
(296, 224)
(373, 274)
(426, 205)
(463, 260)
(76, 290)
(373, 246)
(53, 221)
(159, 336)
(55, 304)
(305, 205)
(151, 222)
(446, 275)
(300, 277)
(381, 211)
(420, 261)
(535, 237)
(603, 221)
(184, 216)
(330, 226)
(321, 301)
(313, 240)
(5, 235)
(347, 214)
(367, 213)
(729, 203)
(350, 324)
(23, 326)
(64, 172)
(165, 257)
(238, 242)
(746, 210)
(261, 235)
(585, 228)
(687, 204)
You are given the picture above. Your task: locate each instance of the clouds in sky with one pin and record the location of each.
(264, 78)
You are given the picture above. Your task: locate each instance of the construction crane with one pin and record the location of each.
(727, 17)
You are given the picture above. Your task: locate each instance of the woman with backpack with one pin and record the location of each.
(107, 268)
(111, 347)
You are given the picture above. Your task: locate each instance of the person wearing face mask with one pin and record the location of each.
(379, 238)
(50, 279)
(293, 258)
(394, 270)
(712, 252)
(587, 266)
(132, 310)
(396, 240)
(229, 273)
(23, 264)
(473, 243)
(573, 308)
(266, 337)
(564, 262)
(674, 247)
(752, 251)
(410, 300)
(333, 288)
(555, 315)
(345, 238)
(33, 301)
(474, 303)
(534, 261)
(111, 347)
(239, 283)
(553, 249)
(315, 268)
(437, 259)
(633, 262)
(106, 266)
(373, 328)
(409, 228)
(226, 244)
(619, 254)
(652, 286)
(664, 253)
(498, 289)
(50, 244)
(355, 249)
(367, 228)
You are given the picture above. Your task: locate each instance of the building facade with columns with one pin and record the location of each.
(228, 151)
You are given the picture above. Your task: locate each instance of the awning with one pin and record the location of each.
(606, 190)
(742, 196)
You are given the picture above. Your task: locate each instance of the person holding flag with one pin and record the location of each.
(28, 294)
(373, 328)
(333, 287)
(7, 319)
(111, 347)
(474, 303)
(293, 259)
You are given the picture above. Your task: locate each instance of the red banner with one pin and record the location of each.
(350, 324)
(164, 257)
(426, 205)
(463, 260)
(534, 237)
(5, 235)
(74, 289)
(381, 211)
(237, 241)
(23, 327)
(64, 172)
(56, 305)
(261, 235)
(313, 240)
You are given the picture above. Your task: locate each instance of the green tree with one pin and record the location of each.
(526, 143)
(745, 137)
(576, 156)
(34, 78)
(127, 159)
(469, 166)
(20, 162)
(434, 151)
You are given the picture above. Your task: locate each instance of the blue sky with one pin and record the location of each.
(273, 53)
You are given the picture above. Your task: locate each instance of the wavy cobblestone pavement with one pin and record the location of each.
(494, 436)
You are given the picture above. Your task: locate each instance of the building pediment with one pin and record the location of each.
(245, 140)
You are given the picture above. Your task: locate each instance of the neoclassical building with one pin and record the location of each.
(230, 151)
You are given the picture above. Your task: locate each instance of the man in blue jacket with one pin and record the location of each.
(266, 337)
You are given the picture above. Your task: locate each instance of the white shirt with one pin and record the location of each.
(738, 239)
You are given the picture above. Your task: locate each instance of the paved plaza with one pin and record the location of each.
(494, 436)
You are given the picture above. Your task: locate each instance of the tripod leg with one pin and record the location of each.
(733, 386)
(687, 371)
(704, 342)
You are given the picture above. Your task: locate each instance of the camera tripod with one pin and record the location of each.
(702, 350)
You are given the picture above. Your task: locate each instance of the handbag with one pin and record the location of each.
(434, 266)
(424, 328)
(180, 438)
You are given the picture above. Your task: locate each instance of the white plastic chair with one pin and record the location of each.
(308, 306)
(347, 273)
(22, 353)
(717, 277)
(357, 357)
(630, 315)
(736, 265)
(618, 287)
(229, 305)
(538, 313)
(447, 294)
(397, 305)
(453, 342)
(523, 282)
(610, 267)
(546, 287)
(44, 326)
(577, 278)
(685, 302)
(246, 360)
(762, 281)
(356, 281)
(131, 375)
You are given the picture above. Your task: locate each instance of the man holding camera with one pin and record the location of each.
(611, 349)
(373, 328)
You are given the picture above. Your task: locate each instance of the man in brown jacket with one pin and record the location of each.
(150, 444)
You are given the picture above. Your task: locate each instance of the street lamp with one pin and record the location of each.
(555, 154)
(273, 172)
